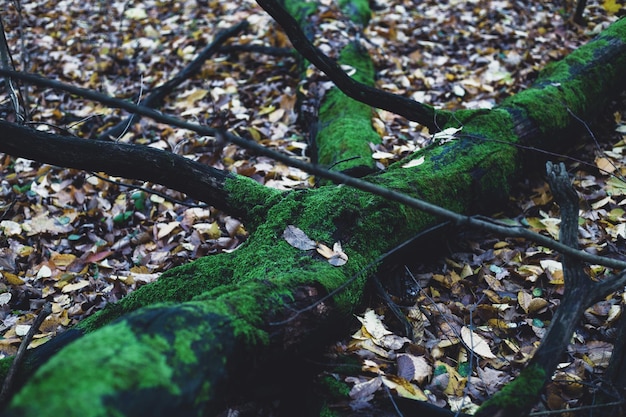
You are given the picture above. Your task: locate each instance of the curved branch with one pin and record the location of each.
(403, 106)
(198, 181)
(156, 97)
(335, 177)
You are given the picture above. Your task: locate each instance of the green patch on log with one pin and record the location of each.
(358, 11)
(161, 354)
(474, 170)
(574, 86)
(345, 127)
(5, 365)
(519, 394)
(176, 285)
(140, 366)
(253, 197)
(475, 167)
(300, 10)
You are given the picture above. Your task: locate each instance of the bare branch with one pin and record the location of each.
(403, 106)
(335, 177)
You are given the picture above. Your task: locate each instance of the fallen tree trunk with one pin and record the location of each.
(187, 342)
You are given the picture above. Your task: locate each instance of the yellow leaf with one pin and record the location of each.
(379, 126)
(61, 260)
(456, 383)
(404, 388)
(136, 13)
(166, 228)
(537, 306)
(12, 279)
(212, 230)
(74, 287)
(476, 343)
(447, 280)
(266, 110)
(605, 165)
(524, 299)
(373, 324)
(276, 115)
(615, 186)
(256, 135)
(325, 251)
(611, 6)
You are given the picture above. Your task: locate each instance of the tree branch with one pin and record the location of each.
(317, 170)
(198, 181)
(7, 385)
(580, 293)
(403, 106)
(156, 97)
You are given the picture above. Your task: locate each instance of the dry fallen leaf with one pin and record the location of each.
(298, 239)
(476, 343)
(414, 368)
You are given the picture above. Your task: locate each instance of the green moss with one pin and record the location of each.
(176, 285)
(137, 366)
(336, 388)
(474, 172)
(164, 356)
(521, 393)
(327, 412)
(252, 198)
(300, 9)
(345, 128)
(5, 365)
(616, 30)
(357, 11)
(575, 85)
(475, 168)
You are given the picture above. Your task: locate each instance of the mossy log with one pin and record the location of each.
(203, 334)
(347, 119)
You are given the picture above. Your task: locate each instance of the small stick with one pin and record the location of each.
(19, 356)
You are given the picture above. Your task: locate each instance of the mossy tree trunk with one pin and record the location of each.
(204, 333)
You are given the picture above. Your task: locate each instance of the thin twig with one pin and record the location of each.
(403, 106)
(336, 177)
(7, 63)
(156, 96)
(575, 409)
(19, 356)
(149, 191)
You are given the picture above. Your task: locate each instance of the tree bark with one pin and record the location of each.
(200, 336)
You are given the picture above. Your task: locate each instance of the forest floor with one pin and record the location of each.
(81, 240)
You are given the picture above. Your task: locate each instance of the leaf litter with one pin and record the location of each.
(83, 241)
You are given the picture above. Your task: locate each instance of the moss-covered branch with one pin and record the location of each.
(198, 181)
(345, 125)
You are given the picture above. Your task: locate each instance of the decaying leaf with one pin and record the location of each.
(414, 368)
(414, 162)
(446, 134)
(365, 389)
(476, 343)
(404, 388)
(298, 239)
(373, 324)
